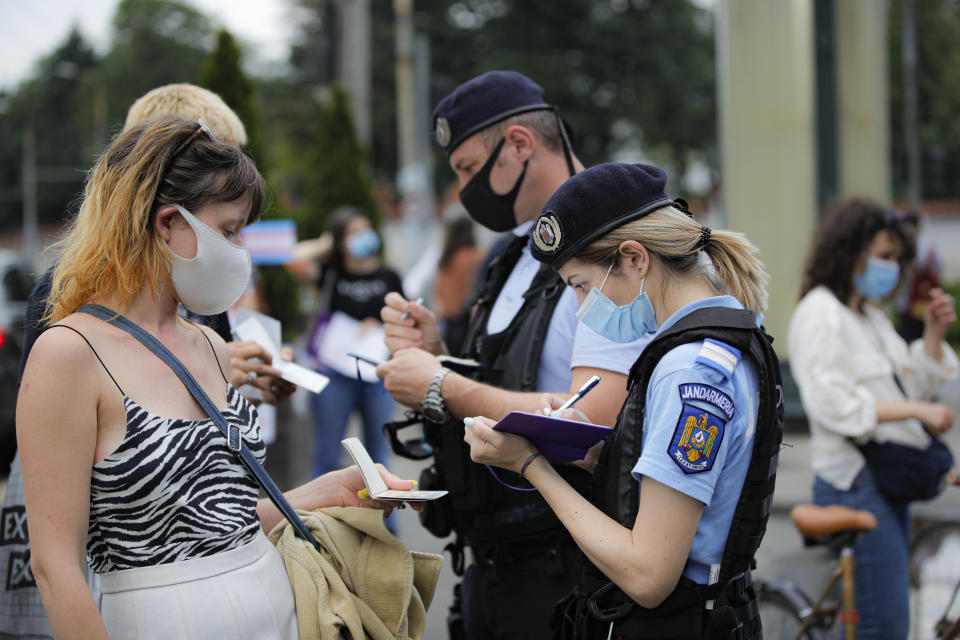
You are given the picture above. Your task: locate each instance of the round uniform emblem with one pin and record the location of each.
(442, 132)
(547, 235)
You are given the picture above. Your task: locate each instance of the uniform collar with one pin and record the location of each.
(728, 302)
(523, 229)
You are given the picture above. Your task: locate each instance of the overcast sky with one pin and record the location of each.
(32, 28)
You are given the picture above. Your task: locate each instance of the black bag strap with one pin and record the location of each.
(231, 432)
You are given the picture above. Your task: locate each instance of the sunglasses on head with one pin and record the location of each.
(201, 129)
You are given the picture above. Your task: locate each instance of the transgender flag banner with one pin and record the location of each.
(271, 241)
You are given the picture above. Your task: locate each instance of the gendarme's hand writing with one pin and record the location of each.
(409, 325)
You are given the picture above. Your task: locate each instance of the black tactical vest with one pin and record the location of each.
(481, 510)
(598, 603)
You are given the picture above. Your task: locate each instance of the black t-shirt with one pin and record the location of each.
(360, 295)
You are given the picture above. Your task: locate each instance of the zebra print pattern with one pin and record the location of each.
(173, 490)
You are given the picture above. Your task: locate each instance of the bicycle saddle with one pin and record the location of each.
(816, 522)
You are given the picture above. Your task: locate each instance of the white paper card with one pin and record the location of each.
(375, 484)
(253, 329)
(344, 334)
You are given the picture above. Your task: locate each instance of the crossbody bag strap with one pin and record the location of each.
(230, 432)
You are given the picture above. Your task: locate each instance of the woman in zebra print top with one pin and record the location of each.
(108, 470)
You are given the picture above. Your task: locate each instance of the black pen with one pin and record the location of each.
(375, 363)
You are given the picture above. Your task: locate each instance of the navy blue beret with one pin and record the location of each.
(591, 204)
(483, 101)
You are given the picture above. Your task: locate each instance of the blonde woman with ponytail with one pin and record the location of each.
(120, 464)
(683, 485)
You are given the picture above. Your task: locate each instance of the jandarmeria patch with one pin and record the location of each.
(699, 432)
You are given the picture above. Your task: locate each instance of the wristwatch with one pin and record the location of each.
(432, 405)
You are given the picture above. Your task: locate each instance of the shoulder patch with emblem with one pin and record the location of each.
(699, 432)
(719, 356)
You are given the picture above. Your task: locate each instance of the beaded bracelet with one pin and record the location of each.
(527, 462)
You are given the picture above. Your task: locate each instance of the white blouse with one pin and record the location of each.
(843, 363)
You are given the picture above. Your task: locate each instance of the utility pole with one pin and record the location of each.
(353, 63)
(29, 181)
(411, 174)
(406, 83)
(423, 128)
(911, 128)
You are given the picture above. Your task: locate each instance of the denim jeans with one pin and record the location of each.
(883, 584)
(332, 409)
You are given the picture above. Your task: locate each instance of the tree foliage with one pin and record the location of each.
(938, 95)
(54, 103)
(336, 172)
(223, 74)
(154, 42)
(626, 74)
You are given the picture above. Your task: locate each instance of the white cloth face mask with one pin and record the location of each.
(213, 280)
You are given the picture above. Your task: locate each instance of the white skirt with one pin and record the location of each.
(241, 594)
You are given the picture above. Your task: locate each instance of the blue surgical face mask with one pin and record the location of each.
(878, 279)
(624, 323)
(363, 244)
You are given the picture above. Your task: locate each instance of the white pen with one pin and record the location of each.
(406, 314)
(590, 384)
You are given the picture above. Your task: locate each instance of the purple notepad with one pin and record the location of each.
(557, 439)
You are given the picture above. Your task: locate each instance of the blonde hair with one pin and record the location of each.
(728, 260)
(111, 246)
(193, 103)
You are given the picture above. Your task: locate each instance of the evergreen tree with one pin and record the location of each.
(223, 74)
(56, 106)
(154, 42)
(337, 173)
(938, 95)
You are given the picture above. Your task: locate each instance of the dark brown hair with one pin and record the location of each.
(845, 234)
(208, 171)
(340, 219)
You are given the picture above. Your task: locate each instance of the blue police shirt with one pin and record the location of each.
(699, 423)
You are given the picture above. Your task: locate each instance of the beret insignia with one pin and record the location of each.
(442, 132)
(547, 235)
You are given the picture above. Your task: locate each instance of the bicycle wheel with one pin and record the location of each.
(934, 564)
(782, 610)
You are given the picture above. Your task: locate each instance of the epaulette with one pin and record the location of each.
(719, 356)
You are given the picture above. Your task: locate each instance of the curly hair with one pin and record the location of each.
(844, 236)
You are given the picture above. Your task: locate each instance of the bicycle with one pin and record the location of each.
(934, 564)
(786, 611)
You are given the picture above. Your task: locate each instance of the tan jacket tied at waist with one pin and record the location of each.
(365, 583)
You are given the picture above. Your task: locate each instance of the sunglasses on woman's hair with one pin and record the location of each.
(202, 128)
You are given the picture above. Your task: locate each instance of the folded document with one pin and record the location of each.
(258, 328)
(375, 483)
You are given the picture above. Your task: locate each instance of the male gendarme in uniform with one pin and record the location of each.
(510, 152)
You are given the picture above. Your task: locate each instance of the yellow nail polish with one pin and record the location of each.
(415, 483)
(363, 494)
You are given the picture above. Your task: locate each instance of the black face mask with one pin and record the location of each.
(492, 210)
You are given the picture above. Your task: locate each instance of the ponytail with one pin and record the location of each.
(726, 259)
(734, 259)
